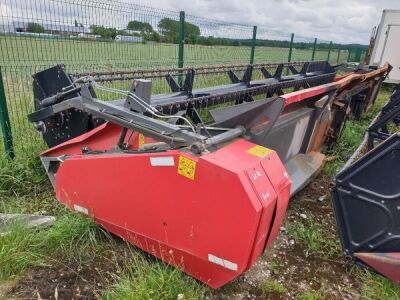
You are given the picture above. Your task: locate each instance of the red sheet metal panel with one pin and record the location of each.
(388, 264)
(103, 137)
(204, 213)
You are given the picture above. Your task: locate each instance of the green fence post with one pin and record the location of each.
(338, 54)
(181, 42)
(291, 48)
(5, 121)
(253, 45)
(348, 56)
(357, 57)
(329, 51)
(314, 49)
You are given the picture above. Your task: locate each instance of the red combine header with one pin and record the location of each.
(207, 196)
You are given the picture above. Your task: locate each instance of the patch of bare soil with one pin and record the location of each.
(75, 280)
(5, 288)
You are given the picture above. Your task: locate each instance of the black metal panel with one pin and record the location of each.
(379, 129)
(394, 100)
(312, 74)
(65, 125)
(357, 103)
(366, 201)
(238, 92)
(174, 86)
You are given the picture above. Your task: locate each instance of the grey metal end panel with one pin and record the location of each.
(258, 117)
(142, 89)
(51, 164)
(287, 135)
(302, 168)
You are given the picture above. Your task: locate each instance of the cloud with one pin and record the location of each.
(340, 20)
(343, 21)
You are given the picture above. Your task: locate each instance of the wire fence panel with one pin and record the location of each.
(271, 46)
(303, 49)
(322, 50)
(17, 82)
(101, 32)
(217, 43)
(117, 38)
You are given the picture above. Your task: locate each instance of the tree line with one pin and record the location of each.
(168, 32)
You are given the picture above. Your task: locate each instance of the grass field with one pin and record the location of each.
(20, 57)
(27, 51)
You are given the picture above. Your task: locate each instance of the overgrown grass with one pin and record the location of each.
(71, 237)
(352, 135)
(312, 295)
(272, 286)
(311, 234)
(317, 240)
(140, 278)
(377, 287)
(18, 251)
(23, 176)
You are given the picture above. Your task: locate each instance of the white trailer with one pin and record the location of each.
(387, 44)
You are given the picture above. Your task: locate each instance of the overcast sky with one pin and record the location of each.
(338, 20)
(343, 21)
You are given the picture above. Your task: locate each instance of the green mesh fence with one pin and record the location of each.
(271, 51)
(112, 36)
(218, 43)
(102, 32)
(303, 49)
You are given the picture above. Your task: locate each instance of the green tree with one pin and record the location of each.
(139, 26)
(155, 37)
(122, 32)
(170, 30)
(105, 33)
(192, 39)
(35, 27)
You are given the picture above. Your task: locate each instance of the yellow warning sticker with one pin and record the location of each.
(186, 167)
(259, 151)
(141, 140)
